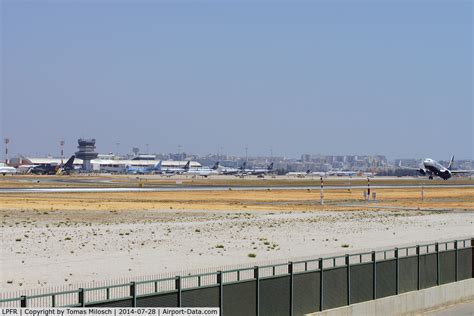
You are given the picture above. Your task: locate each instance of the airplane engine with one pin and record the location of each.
(446, 175)
(422, 171)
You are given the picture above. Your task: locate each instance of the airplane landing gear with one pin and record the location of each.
(430, 177)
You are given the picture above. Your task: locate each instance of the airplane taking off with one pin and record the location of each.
(433, 168)
(54, 169)
(6, 169)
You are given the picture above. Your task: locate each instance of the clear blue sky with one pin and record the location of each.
(330, 77)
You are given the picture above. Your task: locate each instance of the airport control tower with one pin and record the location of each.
(86, 152)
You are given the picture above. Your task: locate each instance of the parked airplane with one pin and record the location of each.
(255, 171)
(433, 168)
(341, 173)
(24, 168)
(6, 169)
(54, 169)
(300, 174)
(140, 170)
(201, 171)
(263, 171)
(171, 170)
(226, 170)
(319, 173)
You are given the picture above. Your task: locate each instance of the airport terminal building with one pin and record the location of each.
(106, 163)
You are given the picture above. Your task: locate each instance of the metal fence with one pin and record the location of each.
(292, 288)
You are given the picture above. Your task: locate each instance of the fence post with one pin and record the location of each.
(82, 300)
(23, 301)
(348, 279)
(437, 264)
(257, 287)
(178, 288)
(472, 255)
(418, 283)
(221, 292)
(374, 275)
(456, 260)
(133, 293)
(321, 286)
(290, 271)
(397, 272)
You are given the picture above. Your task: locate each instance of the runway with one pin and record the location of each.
(223, 188)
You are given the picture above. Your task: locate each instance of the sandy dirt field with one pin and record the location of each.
(57, 239)
(436, 198)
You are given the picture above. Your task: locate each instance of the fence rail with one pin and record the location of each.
(292, 288)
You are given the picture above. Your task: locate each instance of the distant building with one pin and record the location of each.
(111, 165)
(86, 152)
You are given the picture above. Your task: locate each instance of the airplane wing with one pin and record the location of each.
(461, 171)
(407, 168)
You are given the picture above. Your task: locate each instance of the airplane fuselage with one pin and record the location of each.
(5, 169)
(435, 168)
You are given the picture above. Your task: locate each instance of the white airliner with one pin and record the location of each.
(201, 171)
(341, 173)
(433, 168)
(170, 171)
(255, 171)
(226, 170)
(299, 174)
(6, 169)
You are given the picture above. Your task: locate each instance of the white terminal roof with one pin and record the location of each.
(164, 163)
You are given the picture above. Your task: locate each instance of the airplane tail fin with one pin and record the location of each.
(450, 165)
(67, 166)
(244, 165)
(270, 166)
(186, 166)
(216, 166)
(70, 162)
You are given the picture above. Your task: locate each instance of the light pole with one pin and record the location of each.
(368, 189)
(246, 154)
(321, 193)
(147, 152)
(61, 143)
(6, 141)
